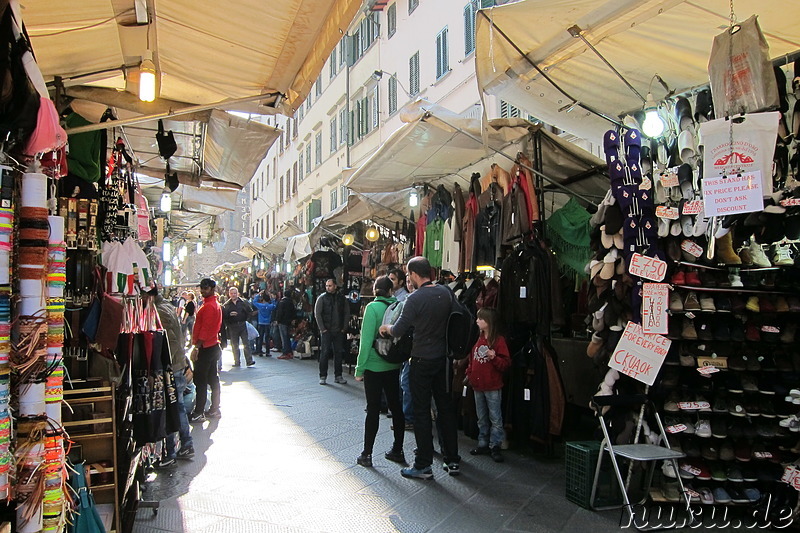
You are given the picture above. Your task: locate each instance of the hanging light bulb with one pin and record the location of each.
(653, 125)
(199, 247)
(372, 234)
(166, 250)
(348, 239)
(147, 78)
(183, 252)
(288, 268)
(262, 265)
(413, 198)
(167, 277)
(166, 201)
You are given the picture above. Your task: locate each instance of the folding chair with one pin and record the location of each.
(647, 453)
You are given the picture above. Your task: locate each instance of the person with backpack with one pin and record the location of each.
(428, 310)
(379, 376)
(488, 361)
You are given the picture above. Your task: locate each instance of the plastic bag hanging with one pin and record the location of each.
(166, 141)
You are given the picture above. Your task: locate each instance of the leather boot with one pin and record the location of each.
(724, 252)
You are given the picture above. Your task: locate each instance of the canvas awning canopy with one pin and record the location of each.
(383, 207)
(520, 45)
(297, 247)
(246, 57)
(276, 244)
(437, 147)
(250, 247)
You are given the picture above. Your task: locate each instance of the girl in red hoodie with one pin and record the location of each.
(488, 360)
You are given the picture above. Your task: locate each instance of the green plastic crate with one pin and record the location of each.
(580, 463)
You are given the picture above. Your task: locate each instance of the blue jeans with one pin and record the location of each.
(405, 387)
(183, 432)
(331, 342)
(263, 338)
(286, 342)
(488, 405)
(428, 378)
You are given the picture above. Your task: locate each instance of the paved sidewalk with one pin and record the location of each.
(282, 458)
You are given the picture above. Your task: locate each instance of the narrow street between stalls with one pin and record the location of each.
(282, 458)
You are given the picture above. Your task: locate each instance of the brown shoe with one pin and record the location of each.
(724, 252)
(286, 356)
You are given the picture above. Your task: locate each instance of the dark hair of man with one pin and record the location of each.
(331, 280)
(383, 286)
(399, 274)
(208, 282)
(420, 266)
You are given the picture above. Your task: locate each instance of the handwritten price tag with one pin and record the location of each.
(693, 470)
(670, 179)
(693, 406)
(646, 184)
(677, 428)
(770, 329)
(762, 455)
(646, 267)
(691, 248)
(692, 493)
(670, 213)
(790, 202)
(705, 370)
(695, 207)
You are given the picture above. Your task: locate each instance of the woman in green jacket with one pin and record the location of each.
(379, 376)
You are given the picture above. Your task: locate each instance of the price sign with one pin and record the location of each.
(639, 354)
(693, 406)
(791, 476)
(655, 301)
(670, 179)
(694, 207)
(728, 195)
(677, 428)
(770, 329)
(647, 267)
(762, 455)
(691, 248)
(717, 362)
(705, 370)
(690, 492)
(646, 184)
(693, 470)
(670, 213)
(789, 202)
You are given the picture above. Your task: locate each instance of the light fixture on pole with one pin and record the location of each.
(166, 249)
(653, 125)
(199, 247)
(183, 252)
(348, 239)
(167, 277)
(166, 201)
(147, 78)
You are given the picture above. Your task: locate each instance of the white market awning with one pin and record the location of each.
(436, 146)
(276, 244)
(383, 207)
(640, 38)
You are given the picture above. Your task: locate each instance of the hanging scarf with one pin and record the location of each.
(568, 231)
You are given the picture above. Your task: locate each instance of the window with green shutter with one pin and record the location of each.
(413, 74)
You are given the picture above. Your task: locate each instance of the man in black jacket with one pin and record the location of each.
(427, 310)
(332, 313)
(284, 314)
(235, 314)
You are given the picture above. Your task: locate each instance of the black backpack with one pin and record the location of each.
(396, 349)
(462, 331)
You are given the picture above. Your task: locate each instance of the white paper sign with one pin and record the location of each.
(639, 355)
(655, 301)
(738, 193)
(647, 267)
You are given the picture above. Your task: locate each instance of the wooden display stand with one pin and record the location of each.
(89, 417)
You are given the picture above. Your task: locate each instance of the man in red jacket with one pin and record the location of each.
(206, 352)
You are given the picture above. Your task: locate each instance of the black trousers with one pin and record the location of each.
(205, 374)
(376, 383)
(428, 378)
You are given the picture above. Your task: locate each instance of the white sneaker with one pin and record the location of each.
(735, 279)
(703, 429)
(782, 256)
(757, 253)
(668, 470)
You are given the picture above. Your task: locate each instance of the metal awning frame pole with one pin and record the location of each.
(171, 113)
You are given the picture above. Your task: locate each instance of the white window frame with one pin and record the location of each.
(318, 149)
(413, 74)
(442, 54)
(392, 94)
(391, 20)
(334, 132)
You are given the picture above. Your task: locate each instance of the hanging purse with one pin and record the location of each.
(166, 142)
(85, 518)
